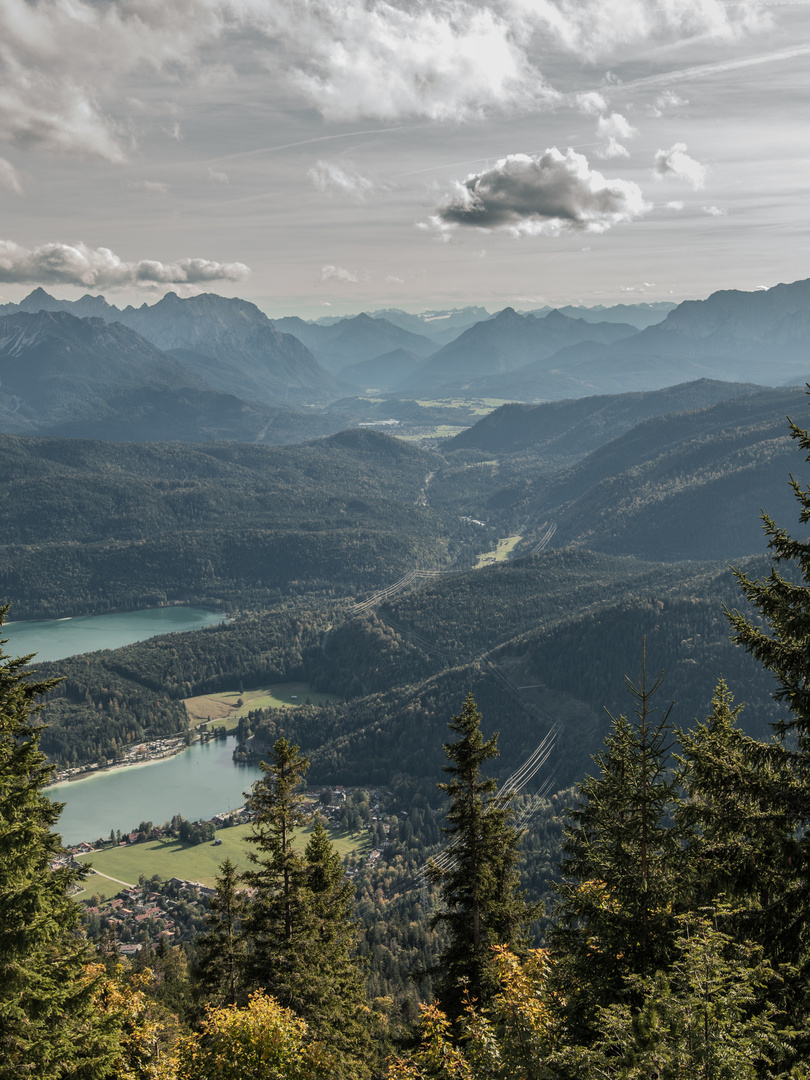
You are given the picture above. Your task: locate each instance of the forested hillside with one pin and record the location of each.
(93, 526)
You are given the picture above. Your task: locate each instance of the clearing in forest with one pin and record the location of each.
(499, 554)
(225, 708)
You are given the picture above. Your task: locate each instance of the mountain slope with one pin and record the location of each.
(228, 343)
(54, 367)
(574, 428)
(685, 486)
(506, 342)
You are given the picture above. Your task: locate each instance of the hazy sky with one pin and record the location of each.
(362, 154)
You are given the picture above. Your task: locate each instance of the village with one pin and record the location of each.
(174, 909)
(154, 750)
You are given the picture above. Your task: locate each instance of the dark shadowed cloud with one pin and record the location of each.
(545, 194)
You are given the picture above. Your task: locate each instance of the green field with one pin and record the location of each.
(172, 858)
(473, 406)
(500, 553)
(224, 709)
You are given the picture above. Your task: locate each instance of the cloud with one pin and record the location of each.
(595, 28)
(218, 177)
(676, 162)
(613, 149)
(59, 59)
(78, 264)
(615, 126)
(338, 273)
(546, 194)
(65, 64)
(450, 60)
(591, 103)
(332, 177)
(675, 204)
(156, 187)
(667, 100)
(10, 179)
(714, 211)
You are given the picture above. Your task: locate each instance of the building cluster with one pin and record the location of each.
(154, 750)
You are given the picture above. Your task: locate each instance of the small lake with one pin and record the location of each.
(54, 639)
(197, 783)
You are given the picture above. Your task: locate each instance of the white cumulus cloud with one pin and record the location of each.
(541, 194)
(612, 149)
(78, 264)
(338, 273)
(615, 126)
(714, 211)
(591, 103)
(612, 128)
(332, 177)
(676, 162)
(450, 60)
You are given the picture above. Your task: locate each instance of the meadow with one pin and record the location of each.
(501, 553)
(226, 707)
(116, 868)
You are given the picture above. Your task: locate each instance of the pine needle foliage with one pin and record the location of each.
(622, 868)
(49, 1028)
(482, 904)
(300, 935)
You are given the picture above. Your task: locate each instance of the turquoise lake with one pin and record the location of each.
(54, 639)
(197, 783)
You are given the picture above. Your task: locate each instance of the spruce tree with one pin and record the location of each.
(300, 935)
(339, 1011)
(279, 919)
(622, 869)
(784, 604)
(49, 1026)
(738, 807)
(482, 904)
(779, 639)
(221, 949)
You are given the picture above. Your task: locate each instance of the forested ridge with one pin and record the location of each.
(90, 527)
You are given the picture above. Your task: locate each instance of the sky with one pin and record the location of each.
(332, 156)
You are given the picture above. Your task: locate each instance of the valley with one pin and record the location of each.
(381, 554)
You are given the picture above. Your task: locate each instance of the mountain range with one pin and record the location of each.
(208, 367)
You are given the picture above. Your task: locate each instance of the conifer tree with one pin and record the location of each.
(483, 906)
(221, 950)
(279, 920)
(623, 882)
(784, 604)
(780, 640)
(49, 1027)
(301, 939)
(339, 1011)
(738, 808)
